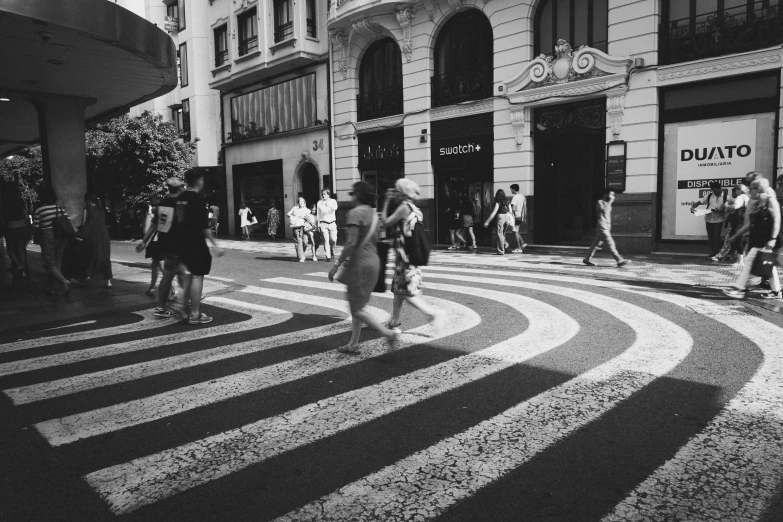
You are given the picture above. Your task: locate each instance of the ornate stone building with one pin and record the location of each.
(564, 98)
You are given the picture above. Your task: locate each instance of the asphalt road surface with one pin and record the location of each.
(545, 397)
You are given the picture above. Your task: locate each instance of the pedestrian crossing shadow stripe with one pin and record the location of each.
(88, 381)
(143, 320)
(738, 457)
(97, 422)
(131, 485)
(494, 444)
(655, 489)
(255, 321)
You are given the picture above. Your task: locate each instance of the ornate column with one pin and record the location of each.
(341, 40)
(520, 121)
(405, 15)
(615, 109)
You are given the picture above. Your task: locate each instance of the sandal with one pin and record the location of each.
(394, 326)
(348, 350)
(393, 340)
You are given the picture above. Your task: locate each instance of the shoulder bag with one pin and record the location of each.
(345, 275)
(62, 226)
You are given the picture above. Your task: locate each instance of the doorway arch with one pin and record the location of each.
(311, 187)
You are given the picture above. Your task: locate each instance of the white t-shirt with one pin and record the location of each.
(326, 210)
(518, 202)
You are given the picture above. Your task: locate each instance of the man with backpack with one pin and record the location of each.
(715, 202)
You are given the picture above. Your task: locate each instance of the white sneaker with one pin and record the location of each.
(315, 258)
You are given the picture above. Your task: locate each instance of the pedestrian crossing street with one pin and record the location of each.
(551, 395)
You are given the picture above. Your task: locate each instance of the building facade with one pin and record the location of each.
(270, 67)
(653, 98)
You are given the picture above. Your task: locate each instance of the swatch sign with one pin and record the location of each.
(461, 150)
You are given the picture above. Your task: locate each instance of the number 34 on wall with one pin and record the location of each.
(318, 144)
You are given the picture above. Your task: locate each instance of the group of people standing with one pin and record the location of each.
(314, 226)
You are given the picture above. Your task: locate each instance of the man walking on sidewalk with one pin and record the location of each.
(192, 229)
(326, 215)
(519, 208)
(604, 231)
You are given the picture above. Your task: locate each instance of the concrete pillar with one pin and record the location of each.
(61, 126)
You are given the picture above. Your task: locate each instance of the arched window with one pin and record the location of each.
(579, 22)
(463, 60)
(380, 81)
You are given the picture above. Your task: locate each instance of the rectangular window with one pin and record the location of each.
(183, 65)
(283, 107)
(221, 45)
(176, 116)
(186, 119)
(310, 7)
(284, 23)
(248, 32)
(181, 9)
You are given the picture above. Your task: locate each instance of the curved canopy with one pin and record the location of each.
(91, 49)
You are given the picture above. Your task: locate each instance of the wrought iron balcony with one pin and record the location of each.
(462, 85)
(377, 104)
(284, 32)
(221, 57)
(734, 30)
(248, 46)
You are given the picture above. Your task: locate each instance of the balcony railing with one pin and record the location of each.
(377, 104)
(284, 32)
(734, 30)
(247, 46)
(462, 85)
(221, 57)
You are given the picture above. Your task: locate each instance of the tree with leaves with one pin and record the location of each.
(130, 159)
(25, 170)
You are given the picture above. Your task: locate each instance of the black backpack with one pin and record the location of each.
(417, 247)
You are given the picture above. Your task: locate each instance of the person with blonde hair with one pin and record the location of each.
(297, 217)
(762, 222)
(406, 282)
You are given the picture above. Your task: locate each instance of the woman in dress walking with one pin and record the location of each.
(504, 220)
(406, 283)
(363, 267)
(97, 245)
(466, 214)
(244, 220)
(273, 220)
(762, 222)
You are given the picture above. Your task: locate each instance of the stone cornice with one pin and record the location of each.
(709, 68)
(614, 84)
(379, 123)
(452, 111)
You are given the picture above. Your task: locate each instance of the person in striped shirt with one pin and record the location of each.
(52, 248)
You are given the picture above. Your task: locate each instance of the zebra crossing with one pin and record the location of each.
(535, 361)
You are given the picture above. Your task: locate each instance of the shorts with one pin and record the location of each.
(467, 221)
(153, 252)
(517, 223)
(197, 259)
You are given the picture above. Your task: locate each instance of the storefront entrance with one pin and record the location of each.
(259, 185)
(570, 143)
(462, 158)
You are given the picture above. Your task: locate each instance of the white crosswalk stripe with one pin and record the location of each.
(131, 485)
(737, 457)
(260, 318)
(147, 322)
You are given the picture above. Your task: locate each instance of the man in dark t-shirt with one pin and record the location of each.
(191, 229)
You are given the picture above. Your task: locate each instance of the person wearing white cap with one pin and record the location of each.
(406, 283)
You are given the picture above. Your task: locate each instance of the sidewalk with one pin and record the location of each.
(22, 307)
(661, 268)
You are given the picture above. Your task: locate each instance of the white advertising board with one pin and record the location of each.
(697, 153)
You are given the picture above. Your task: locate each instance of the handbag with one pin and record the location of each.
(344, 275)
(62, 226)
(763, 263)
